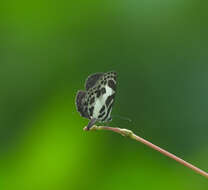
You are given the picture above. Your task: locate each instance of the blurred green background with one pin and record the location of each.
(48, 48)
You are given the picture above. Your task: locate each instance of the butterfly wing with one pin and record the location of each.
(96, 103)
(100, 98)
(92, 79)
(81, 103)
(109, 83)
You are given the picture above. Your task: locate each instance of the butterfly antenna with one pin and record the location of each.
(124, 118)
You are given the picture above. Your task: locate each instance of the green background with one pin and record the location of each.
(47, 49)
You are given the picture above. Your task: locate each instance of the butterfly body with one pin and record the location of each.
(96, 102)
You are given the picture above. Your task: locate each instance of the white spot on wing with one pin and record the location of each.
(99, 102)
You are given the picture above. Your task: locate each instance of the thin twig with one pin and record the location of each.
(130, 134)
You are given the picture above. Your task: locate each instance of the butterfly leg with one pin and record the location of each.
(91, 123)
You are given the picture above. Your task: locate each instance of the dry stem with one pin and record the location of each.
(130, 134)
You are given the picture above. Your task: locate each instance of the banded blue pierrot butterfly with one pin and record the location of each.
(96, 102)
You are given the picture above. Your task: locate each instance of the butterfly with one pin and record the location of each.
(96, 102)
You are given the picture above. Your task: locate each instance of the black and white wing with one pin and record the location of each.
(96, 102)
(92, 80)
(81, 104)
(101, 97)
(82, 97)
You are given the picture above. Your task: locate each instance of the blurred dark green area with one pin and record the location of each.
(48, 48)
